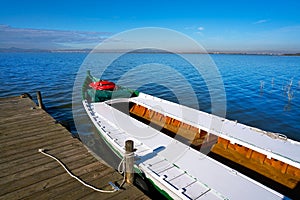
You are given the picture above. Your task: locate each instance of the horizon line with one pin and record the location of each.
(87, 50)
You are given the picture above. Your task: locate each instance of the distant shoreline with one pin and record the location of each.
(291, 54)
(20, 50)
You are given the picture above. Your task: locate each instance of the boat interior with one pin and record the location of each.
(274, 173)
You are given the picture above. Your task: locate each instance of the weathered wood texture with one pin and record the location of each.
(27, 174)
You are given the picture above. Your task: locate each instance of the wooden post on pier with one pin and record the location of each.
(40, 101)
(129, 161)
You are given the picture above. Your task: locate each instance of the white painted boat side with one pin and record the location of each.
(172, 165)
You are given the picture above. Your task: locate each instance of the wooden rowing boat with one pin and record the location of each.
(172, 142)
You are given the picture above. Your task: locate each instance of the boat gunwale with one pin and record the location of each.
(269, 153)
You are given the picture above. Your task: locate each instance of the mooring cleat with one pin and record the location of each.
(114, 186)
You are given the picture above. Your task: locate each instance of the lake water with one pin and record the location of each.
(256, 86)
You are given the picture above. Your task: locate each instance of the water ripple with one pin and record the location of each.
(248, 102)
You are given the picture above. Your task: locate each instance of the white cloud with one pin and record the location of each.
(48, 39)
(261, 21)
(200, 28)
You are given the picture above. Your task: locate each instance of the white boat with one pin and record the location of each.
(172, 141)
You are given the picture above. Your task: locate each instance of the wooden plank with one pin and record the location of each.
(14, 135)
(69, 188)
(50, 178)
(14, 156)
(40, 177)
(68, 192)
(126, 194)
(43, 160)
(32, 148)
(29, 141)
(27, 174)
(30, 157)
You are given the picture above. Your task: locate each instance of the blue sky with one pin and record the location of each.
(217, 25)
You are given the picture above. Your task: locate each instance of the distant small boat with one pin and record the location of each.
(170, 149)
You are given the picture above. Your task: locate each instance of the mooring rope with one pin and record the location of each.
(81, 181)
(123, 164)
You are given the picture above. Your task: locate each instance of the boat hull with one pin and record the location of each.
(166, 143)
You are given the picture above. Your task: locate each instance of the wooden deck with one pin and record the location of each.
(25, 173)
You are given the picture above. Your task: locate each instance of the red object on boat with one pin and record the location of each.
(103, 85)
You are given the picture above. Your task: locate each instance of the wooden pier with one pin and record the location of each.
(26, 173)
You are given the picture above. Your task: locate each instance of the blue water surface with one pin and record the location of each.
(256, 86)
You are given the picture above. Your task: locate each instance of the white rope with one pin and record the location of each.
(78, 179)
(123, 169)
(122, 163)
